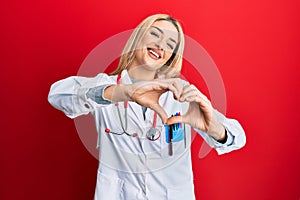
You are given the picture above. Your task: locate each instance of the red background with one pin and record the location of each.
(255, 45)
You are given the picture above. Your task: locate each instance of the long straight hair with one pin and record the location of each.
(172, 67)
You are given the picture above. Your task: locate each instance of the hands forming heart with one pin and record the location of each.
(200, 112)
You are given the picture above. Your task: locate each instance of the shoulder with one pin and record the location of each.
(101, 78)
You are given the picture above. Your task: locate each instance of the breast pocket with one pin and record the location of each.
(108, 188)
(176, 144)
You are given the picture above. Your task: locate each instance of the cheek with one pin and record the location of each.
(139, 53)
(145, 40)
(141, 43)
(139, 46)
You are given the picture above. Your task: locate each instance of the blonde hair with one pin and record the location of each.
(172, 67)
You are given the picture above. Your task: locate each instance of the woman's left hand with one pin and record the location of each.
(200, 114)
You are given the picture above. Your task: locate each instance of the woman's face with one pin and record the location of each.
(157, 45)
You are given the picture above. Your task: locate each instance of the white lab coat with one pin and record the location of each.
(134, 167)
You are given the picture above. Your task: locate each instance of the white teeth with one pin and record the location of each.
(154, 53)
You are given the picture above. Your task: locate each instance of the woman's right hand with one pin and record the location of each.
(146, 93)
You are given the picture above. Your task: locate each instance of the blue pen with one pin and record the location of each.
(179, 123)
(176, 114)
(170, 139)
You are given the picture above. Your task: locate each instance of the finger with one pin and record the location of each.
(187, 91)
(194, 98)
(204, 105)
(192, 94)
(161, 112)
(172, 85)
(187, 94)
(174, 120)
(178, 84)
(201, 95)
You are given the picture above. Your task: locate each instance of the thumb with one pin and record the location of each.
(174, 120)
(161, 112)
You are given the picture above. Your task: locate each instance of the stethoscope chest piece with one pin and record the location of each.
(153, 134)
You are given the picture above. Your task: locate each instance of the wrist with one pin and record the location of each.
(117, 93)
(218, 133)
(216, 128)
(223, 137)
(125, 91)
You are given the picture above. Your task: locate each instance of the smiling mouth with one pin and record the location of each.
(154, 53)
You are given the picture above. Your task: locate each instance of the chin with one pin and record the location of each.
(152, 66)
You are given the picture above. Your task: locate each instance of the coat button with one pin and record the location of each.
(86, 105)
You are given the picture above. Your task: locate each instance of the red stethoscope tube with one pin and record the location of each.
(152, 134)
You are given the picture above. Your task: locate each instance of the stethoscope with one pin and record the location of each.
(152, 134)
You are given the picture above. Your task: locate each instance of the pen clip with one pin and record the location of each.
(170, 140)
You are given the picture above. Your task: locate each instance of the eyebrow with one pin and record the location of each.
(163, 33)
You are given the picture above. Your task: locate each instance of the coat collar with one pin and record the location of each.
(125, 77)
(134, 107)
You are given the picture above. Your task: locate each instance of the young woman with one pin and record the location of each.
(144, 115)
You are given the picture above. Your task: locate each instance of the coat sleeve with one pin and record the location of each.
(69, 95)
(236, 137)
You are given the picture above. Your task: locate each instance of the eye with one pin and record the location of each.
(170, 46)
(154, 34)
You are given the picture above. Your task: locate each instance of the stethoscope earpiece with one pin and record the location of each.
(107, 130)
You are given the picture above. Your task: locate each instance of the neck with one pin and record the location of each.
(141, 73)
